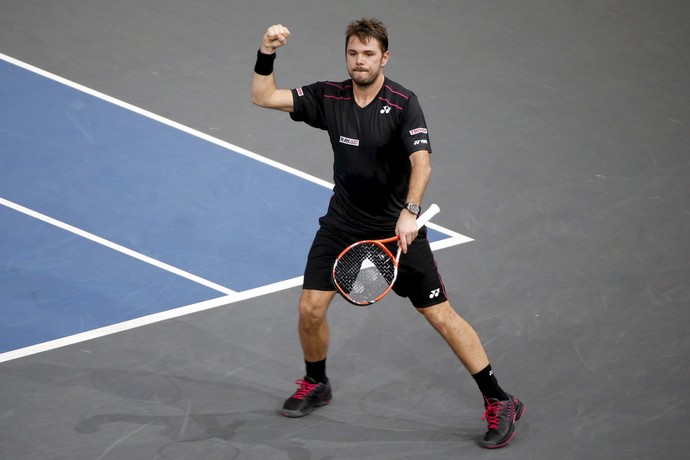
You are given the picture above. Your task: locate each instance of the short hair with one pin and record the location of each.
(366, 29)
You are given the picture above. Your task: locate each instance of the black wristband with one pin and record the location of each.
(264, 63)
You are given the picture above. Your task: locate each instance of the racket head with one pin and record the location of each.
(365, 272)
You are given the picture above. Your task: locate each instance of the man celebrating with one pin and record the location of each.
(381, 170)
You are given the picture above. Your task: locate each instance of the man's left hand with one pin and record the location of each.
(406, 229)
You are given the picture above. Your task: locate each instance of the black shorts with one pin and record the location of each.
(418, 277)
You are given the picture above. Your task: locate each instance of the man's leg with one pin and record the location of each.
(502, 409)
(314, 334)
(459, 335)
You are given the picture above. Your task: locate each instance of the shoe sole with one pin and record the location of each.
(298, 413)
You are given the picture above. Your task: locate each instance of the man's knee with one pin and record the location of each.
(438, 314)
(314, 304)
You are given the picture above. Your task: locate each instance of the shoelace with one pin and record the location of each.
(491, 413)
(304, 389)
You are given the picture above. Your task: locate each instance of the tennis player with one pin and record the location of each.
(381, 170)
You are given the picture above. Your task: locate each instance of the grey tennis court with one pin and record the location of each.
(155, 223)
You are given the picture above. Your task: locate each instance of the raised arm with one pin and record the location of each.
(265, 93)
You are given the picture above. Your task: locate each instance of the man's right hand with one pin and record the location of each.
(275, 37)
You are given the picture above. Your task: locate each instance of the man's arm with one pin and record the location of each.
(406, 227)
(264, 90)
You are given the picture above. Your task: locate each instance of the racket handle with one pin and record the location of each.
(427, 215)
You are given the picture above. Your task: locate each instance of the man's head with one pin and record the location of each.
(368, 29)
(366, 50)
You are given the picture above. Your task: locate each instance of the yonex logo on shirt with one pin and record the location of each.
(386, 109)
(348, 141)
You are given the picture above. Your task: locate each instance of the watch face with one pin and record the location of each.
(413, 208)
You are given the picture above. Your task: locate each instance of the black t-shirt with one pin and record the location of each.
(371, 147)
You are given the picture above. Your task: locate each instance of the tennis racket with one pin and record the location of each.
(366, 270)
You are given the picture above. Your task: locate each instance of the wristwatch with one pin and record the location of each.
(413, 208)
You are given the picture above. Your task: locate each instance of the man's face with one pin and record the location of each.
(365, 61)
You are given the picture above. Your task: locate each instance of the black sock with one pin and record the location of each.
(317, 371)
(488, 385)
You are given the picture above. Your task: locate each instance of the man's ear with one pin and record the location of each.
(384, 59)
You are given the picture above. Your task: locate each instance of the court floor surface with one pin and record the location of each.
(139, 223)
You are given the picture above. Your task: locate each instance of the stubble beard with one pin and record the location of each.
(364, 81)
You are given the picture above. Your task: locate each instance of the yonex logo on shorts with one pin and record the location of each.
(434, 293)
(348, 141)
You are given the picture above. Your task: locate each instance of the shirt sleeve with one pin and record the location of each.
(308, 105)
(415, 135)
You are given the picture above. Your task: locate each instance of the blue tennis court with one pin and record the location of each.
(110, 214)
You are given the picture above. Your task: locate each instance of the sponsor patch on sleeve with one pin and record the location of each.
(418, 131)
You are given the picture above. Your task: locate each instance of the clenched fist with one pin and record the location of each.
(275, 37)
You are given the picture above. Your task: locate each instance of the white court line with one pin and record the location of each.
(453, 239)
(230, 297)
(115, 246)
(165, 121)
(150, 319)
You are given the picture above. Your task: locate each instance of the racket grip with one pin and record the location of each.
(427, 215)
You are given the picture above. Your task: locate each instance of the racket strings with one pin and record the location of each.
(365, 272)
